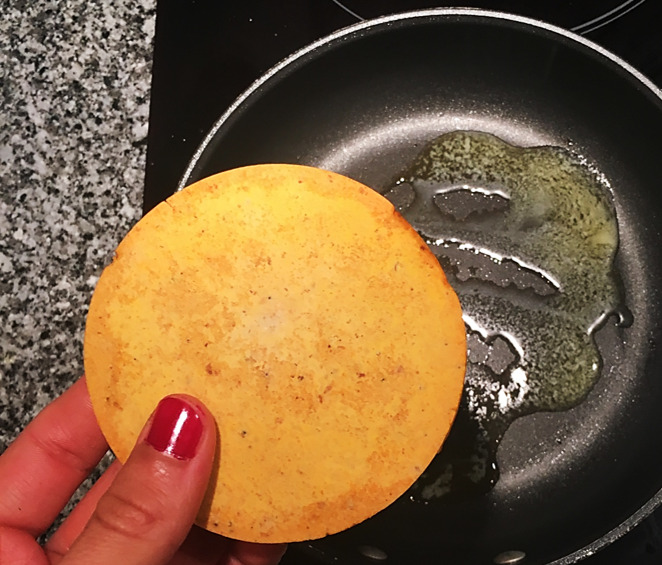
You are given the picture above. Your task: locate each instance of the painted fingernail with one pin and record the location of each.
(176, 428)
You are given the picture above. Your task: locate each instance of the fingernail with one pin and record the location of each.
(176, 428)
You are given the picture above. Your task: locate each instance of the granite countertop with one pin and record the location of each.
(75, 80)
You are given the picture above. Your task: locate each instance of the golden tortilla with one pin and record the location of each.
(310, 318)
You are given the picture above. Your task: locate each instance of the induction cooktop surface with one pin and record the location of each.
(207, 53)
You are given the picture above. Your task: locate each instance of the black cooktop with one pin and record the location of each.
(207, 53)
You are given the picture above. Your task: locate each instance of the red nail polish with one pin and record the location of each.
(176, 428)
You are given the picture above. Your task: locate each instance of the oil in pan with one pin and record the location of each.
(527, 237)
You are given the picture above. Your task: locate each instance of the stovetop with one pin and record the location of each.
(207, 53)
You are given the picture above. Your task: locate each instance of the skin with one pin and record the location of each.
(142, 511)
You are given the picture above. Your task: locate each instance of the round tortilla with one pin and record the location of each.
(312, 321)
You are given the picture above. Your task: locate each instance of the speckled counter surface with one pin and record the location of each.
(75, 79)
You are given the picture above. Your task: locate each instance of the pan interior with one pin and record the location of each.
(365, 104)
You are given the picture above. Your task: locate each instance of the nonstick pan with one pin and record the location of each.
(364, 102)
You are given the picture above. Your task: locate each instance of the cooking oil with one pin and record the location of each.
(527, 237)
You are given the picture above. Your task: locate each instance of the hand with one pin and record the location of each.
(140, 513)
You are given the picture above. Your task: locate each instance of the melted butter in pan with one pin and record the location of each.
(527, 237)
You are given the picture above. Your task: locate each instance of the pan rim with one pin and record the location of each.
(401, 17)
(614, 534)
(411, 18)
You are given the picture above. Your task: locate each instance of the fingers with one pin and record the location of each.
(60, 542)
(246, 553)
(20, 548)
(147, 511)
(40, 471)
(205, 548)
(149, 508)
(202, 548)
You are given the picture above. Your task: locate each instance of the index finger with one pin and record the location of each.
(40, 471)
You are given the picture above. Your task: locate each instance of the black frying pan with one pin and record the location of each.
(363, 102)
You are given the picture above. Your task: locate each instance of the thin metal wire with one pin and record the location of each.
(341, 5)
(607, 17)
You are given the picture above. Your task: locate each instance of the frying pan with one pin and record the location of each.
(363, 102)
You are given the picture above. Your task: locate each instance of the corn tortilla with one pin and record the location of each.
(310, 318)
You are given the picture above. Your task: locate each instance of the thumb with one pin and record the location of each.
(150, 507)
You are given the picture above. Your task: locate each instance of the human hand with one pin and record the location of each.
(141, 512)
